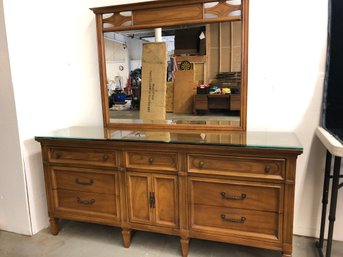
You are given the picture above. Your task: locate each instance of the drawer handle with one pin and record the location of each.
(152, 200)
(151, 160)
(233, 197)
(241, 220)
(58, 155)
(201, 164)
(85, 202)
(91, 182)
(268, 169)
(105, 157)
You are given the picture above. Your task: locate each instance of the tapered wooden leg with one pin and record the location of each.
(184, 246)
(54, 226)
(126, 234)
(287, 248)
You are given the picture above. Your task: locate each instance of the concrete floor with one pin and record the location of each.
(90, 240)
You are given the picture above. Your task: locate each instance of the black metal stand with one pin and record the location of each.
(333, 202)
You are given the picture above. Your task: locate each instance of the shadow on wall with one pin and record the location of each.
(309, 197)
(33, 166)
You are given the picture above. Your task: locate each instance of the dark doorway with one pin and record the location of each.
(332, 117)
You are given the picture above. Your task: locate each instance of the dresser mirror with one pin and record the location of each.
(201, 70)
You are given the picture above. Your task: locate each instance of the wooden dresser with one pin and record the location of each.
(233, 187)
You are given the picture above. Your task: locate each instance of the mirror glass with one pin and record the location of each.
(202, 76)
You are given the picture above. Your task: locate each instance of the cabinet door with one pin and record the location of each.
(165, 210)
(139, 196)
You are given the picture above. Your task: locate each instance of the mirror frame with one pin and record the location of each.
(163, 13)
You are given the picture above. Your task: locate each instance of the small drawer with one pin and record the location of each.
(230, 221)
(152, 160)
(84, 181)
(82, 156)
(252, 196)
(86, 202)
(200, 102)
(201, 105)
(237, 166)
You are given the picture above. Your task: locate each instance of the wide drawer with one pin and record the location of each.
(82, 156)
(86, 202)
(236, 166)
(151, 160)
(235, 221)
(63, 178)
(253, 196)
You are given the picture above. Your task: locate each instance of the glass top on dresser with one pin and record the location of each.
(250, 139)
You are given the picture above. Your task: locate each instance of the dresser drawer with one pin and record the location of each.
(235, 221)
(151, 160)
(68, 200)
(221, 193)
(236, 166)
(64, 178)
(82, 156)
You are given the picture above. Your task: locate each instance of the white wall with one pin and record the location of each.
(53, 57)
(13, 217)
(286, 71)
(55, 79)
(116, 55)
(52, 51)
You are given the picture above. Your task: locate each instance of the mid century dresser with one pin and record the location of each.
(233, 187)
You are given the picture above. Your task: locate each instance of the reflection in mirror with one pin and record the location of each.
(232, 138)
(203, 74)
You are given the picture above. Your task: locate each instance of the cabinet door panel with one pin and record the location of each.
(166, 203)
(138, 198)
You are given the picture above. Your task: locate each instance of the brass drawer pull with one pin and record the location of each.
(105, 157)
(201, 164)
(91, 182)
(151, 160)
(241, 220)
(268, 169)
(233, 197)
(85, 202)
